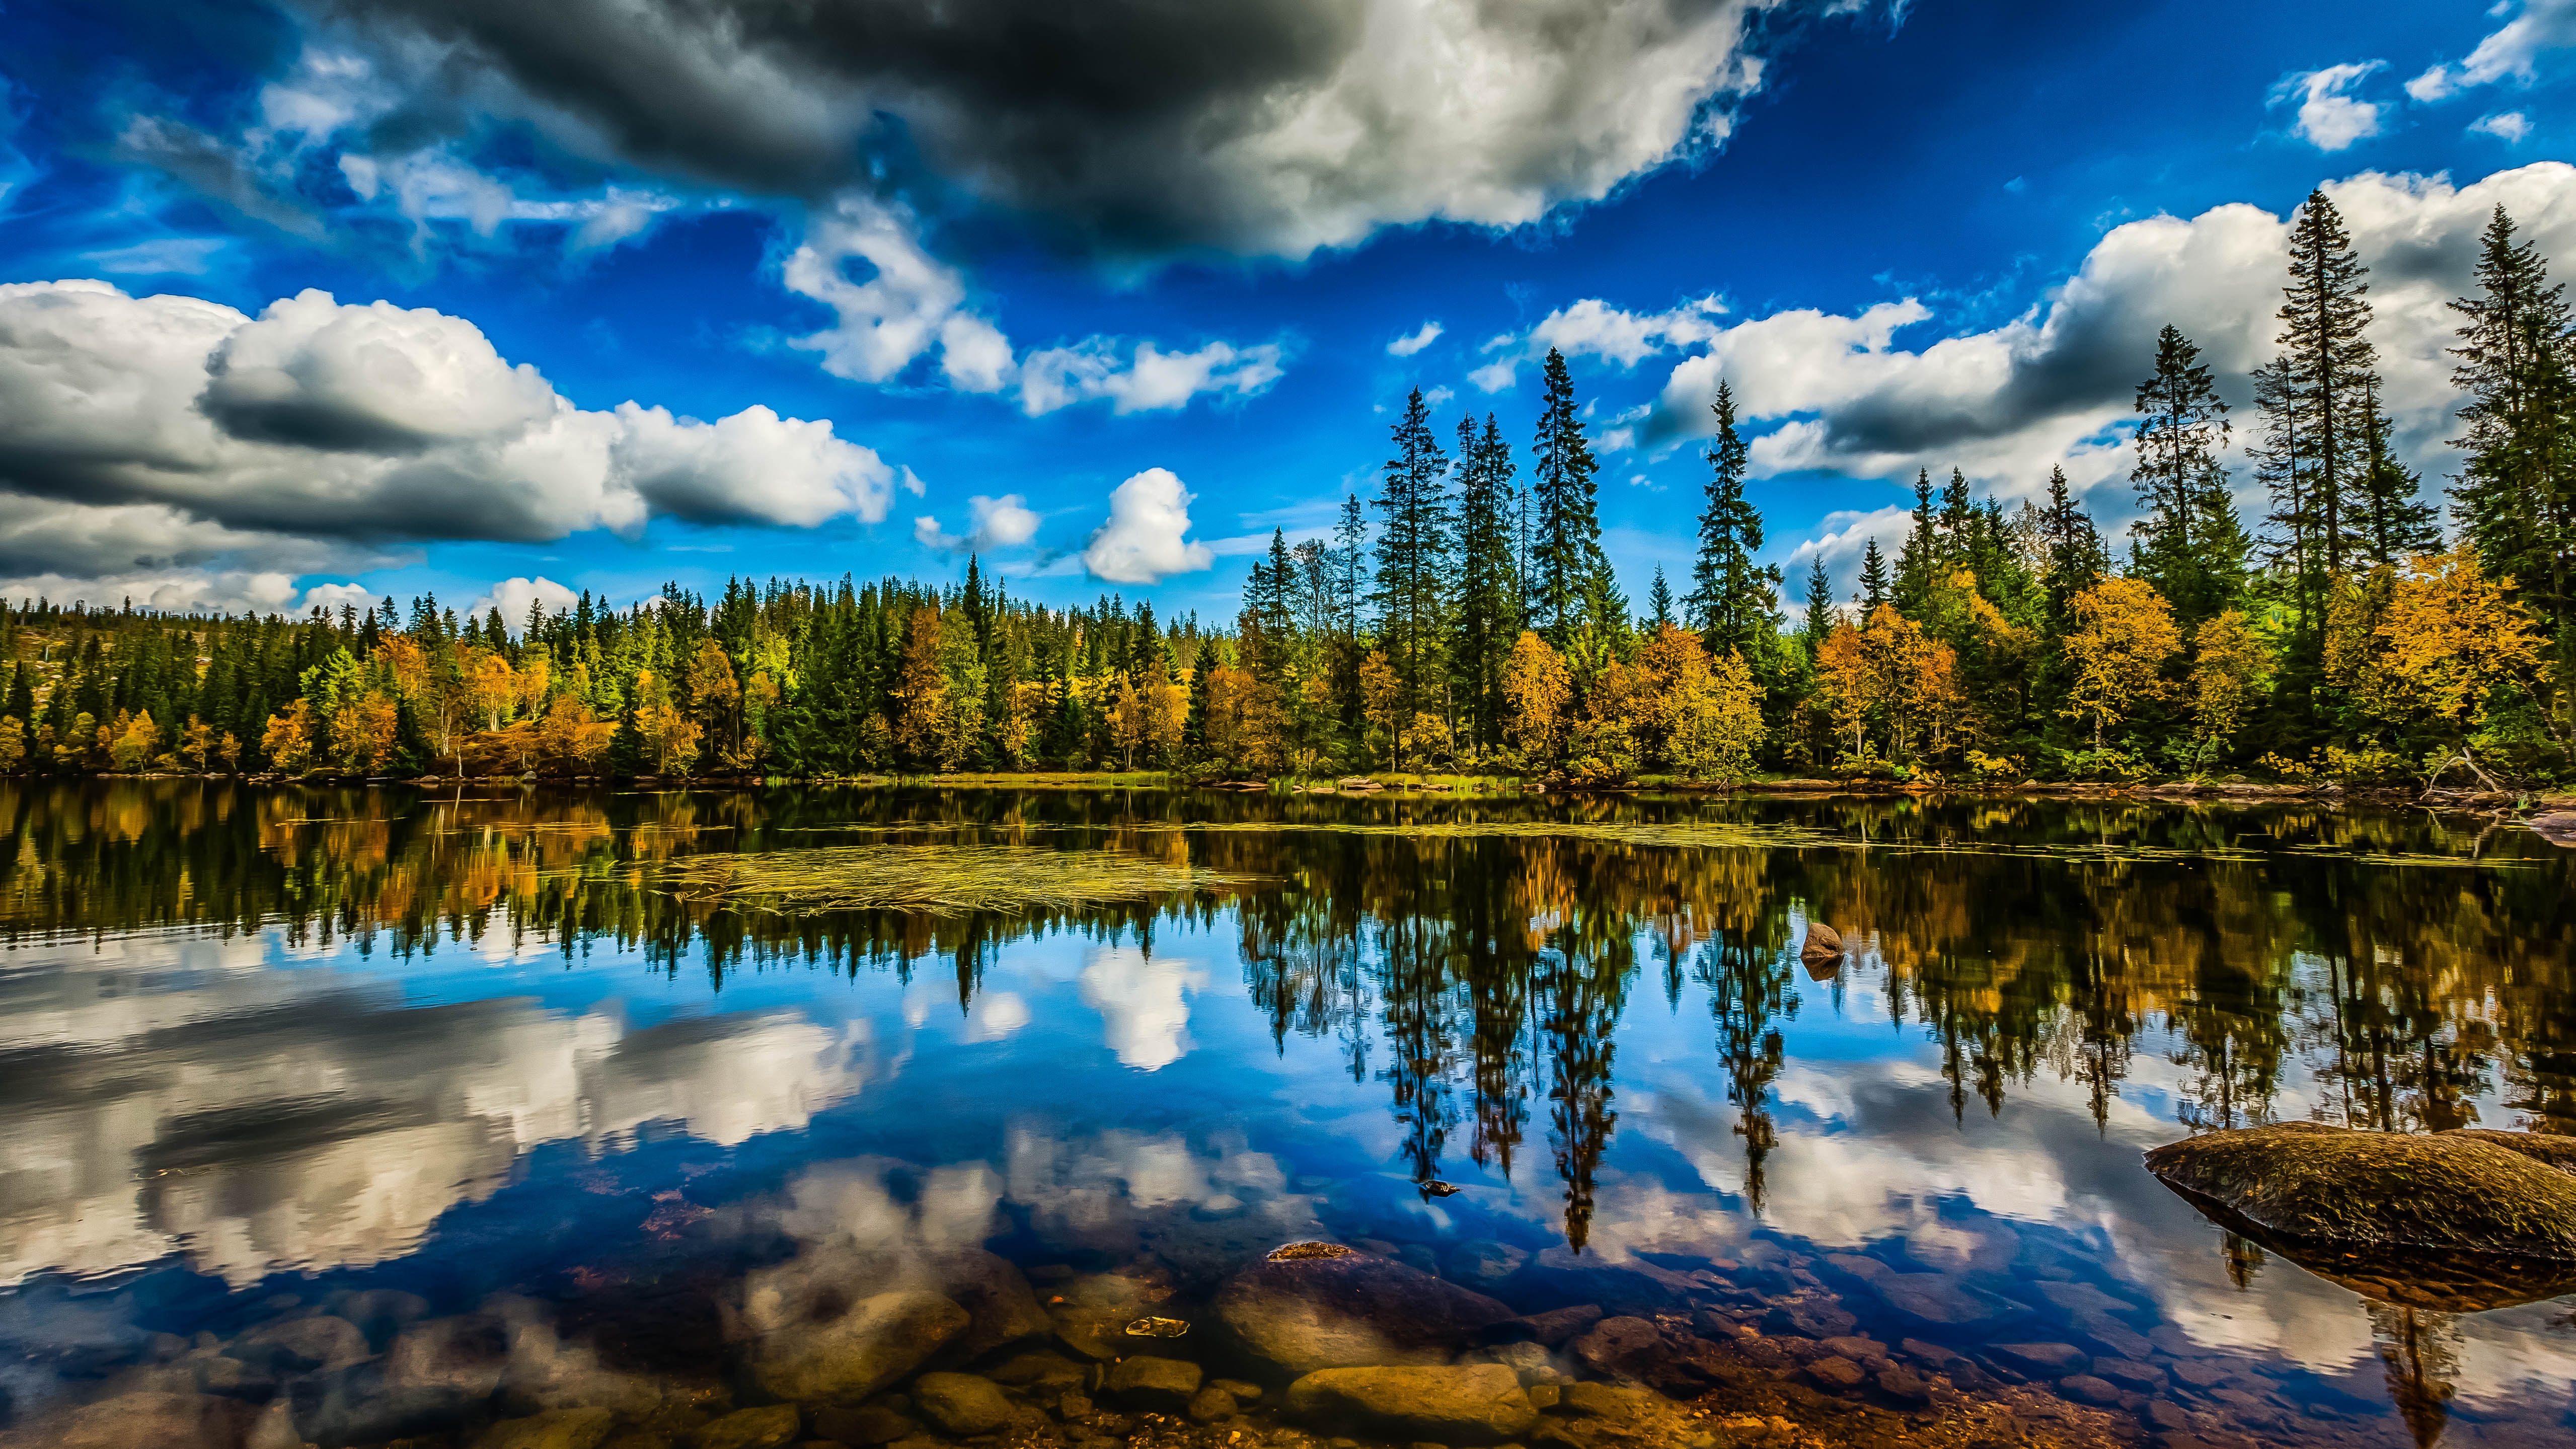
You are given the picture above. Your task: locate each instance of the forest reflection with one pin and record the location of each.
(2411, 970)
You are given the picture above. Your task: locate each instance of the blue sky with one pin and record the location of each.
(684, 290)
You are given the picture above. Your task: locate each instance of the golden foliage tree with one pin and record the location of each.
(1537, 688)
(288, 740)
(2229, 666)
(2124, 632)
(2448, 641)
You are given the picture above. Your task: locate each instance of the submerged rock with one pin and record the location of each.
(1469, 1404)
(851, 1354)
(2445, 1191)
(129, 1421)
(1926, 1299)
(1165, 1385)
(1349, 1310)
(962, 1404)
(555, 1429)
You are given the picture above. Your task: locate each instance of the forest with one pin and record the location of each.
(2364, 628)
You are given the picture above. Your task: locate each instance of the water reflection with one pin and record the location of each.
(300, 1035)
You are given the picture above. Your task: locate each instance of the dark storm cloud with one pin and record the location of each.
(1260, 125)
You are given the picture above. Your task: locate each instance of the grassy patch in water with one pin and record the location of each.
(942, 879)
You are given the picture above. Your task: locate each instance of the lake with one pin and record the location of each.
(490, 1116)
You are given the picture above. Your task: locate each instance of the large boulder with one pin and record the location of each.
(2447, 1191)
(849, 1353)
(129, 1421)
(1469, 1404)
(1303, 1311)
(1926, 1300)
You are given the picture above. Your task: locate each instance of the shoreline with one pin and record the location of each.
(2497, 803)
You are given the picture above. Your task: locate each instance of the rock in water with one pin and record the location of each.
(1823, 943)
(555, 1429)
(852, 1354)
(2443, 1191)
(1471, 1404)
(1349, 1310)
(2558, 827)
(2558, 1152)
(963, 1404)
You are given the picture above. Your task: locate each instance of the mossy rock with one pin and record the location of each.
(2379, 1210)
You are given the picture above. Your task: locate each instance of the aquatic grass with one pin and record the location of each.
(1739, 835)
(938, 879)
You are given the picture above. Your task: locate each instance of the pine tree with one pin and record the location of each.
(2516, 499)
(2075, 559)
(2189, 544)
(1570, 577)
(1873, 579)
(1659, 602)
(1488, 592)
(1919, 558)
(1820, 606)
(2396, 522)
(1350, 565)
(2320, 385)
(1414, 559)
(1732, 599)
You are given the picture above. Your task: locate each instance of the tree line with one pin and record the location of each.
(1475, 622)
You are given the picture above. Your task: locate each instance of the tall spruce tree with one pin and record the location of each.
(1415, 550)
(1570, 576)
(1659, 602)
(2074, 559)
(2189, 544)
(1732, 599)
(1874, 589)
(2320, 385)
(1820, 608)
(1489, 621)
(1918, 561)
(2516, 497)
(1350, 565)
(2395, 521)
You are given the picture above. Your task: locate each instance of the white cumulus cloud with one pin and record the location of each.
(143, 437)
(513, 597)
(2056, 385)
(1145, 540)
(2330, 118)
(1145, 380)
(2508, 126)
(1414, 341)
(1004, 522)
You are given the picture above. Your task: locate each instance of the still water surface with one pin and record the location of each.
(398, 1058)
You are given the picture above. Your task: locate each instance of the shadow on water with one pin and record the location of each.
(483, 1055)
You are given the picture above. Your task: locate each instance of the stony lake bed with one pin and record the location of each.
(467, 1118)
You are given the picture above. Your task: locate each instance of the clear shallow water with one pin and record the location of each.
(407, 1059)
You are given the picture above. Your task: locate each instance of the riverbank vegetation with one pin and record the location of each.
(1467, 620)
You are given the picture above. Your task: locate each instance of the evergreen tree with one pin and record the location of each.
(2320, 386)
(2074, 559)
(1570, 577)
(1917, 560)
(1350, 565)
(1414, 559)
(1874, 589)
(1659, 602)
(1820, 607)
(2189, 544)
(1733, 599)
(2396, 522)
(1489, 618)
(2516, 498)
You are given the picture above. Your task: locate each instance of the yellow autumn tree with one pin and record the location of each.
(925, 716)
(2229, 666)
(288, 739)
(136, 743)
(1849, 686)
(363, 731)
(570, 738)
(1246, 724)
(2449, 640)
(2124, 632)
(1536, 691)
(666, 731)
